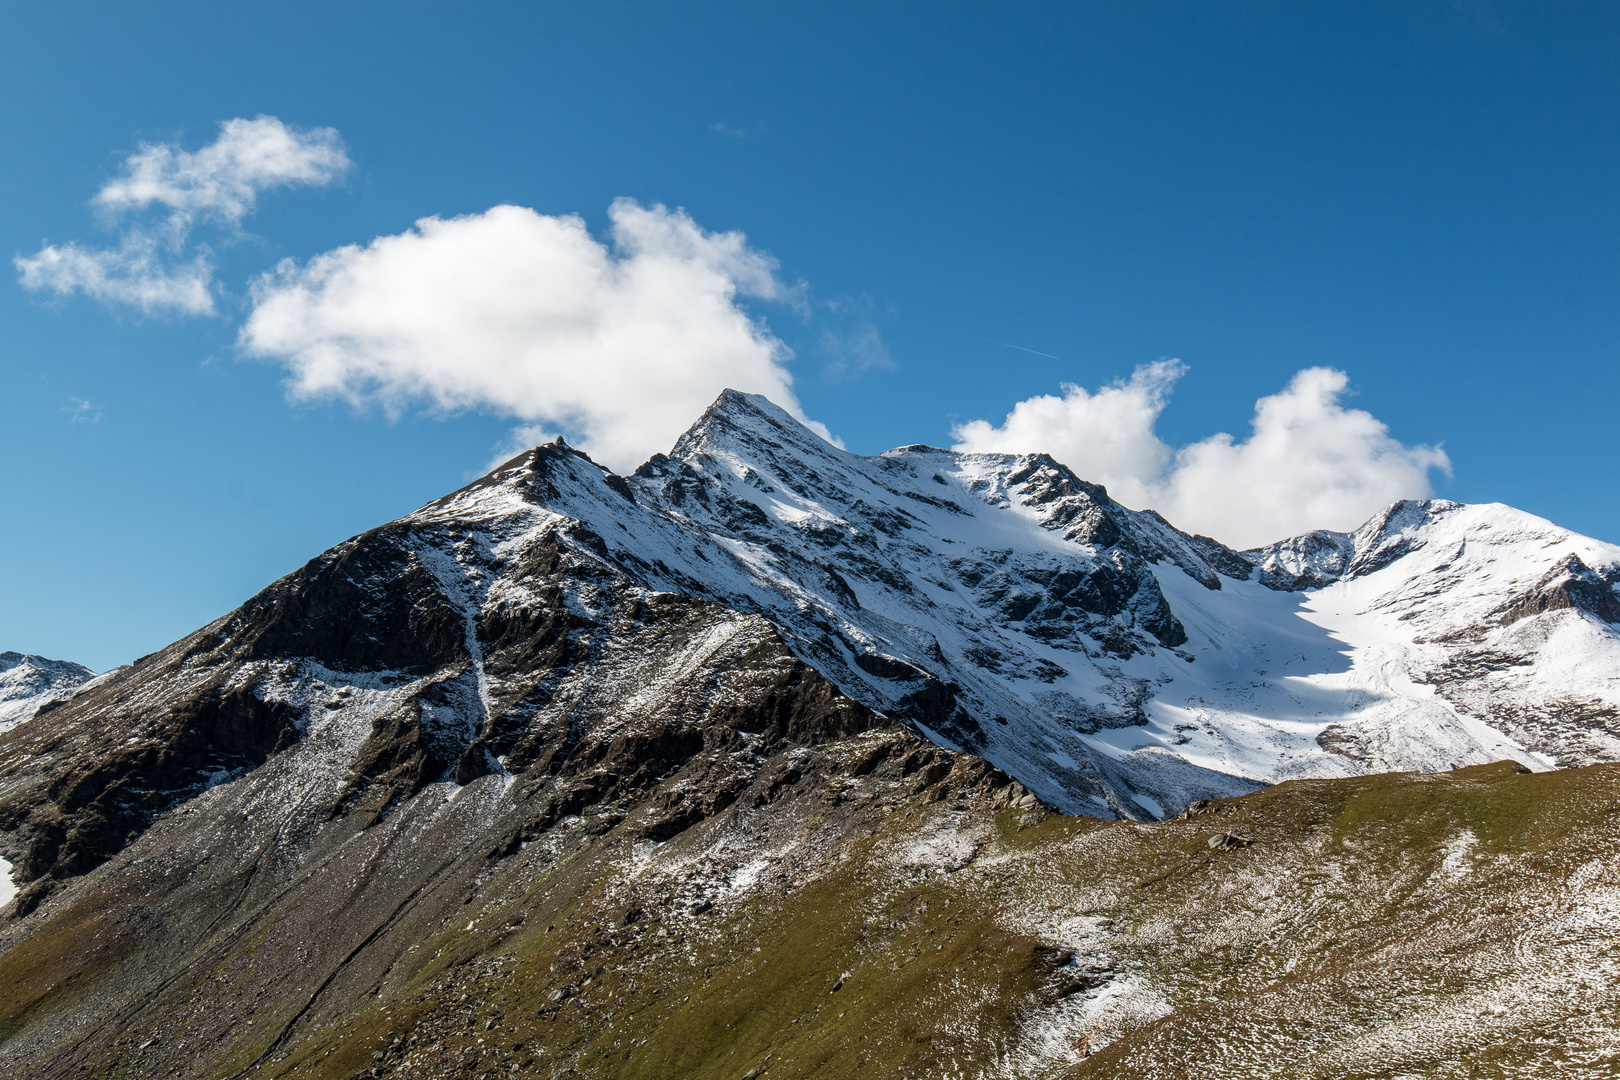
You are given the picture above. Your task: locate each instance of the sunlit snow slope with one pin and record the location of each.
(1111, 662)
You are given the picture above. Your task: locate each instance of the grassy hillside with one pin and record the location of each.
(926, 921)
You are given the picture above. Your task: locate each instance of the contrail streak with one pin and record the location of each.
(1020, 348)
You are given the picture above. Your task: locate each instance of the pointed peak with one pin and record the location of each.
(1045, 477)
(735, 398)
(736, 405)
(737, 420)
(529, 474)
(1405, 514)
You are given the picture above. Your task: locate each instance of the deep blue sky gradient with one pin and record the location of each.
(1422, 194)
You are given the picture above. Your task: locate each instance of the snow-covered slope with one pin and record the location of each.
(1484, 613)
(28, 682)
(1111, 662)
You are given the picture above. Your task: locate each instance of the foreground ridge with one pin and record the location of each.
(867, 908)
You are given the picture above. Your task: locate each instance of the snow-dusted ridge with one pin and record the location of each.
(29, 683)
(1113, 663)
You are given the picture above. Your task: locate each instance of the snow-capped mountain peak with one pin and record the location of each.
(997, 603)
(1114, 663)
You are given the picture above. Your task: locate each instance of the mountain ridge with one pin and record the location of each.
(29, 683)
(997, 604)
(746, 760)
(823, 539)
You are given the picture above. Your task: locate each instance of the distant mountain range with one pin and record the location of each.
(28, 683)
(565, 680)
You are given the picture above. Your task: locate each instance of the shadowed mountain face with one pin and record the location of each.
(362, 679)
(561, 714)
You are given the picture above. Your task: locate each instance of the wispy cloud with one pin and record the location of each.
(850, 344)
(222, 181)
(81, 411)
(139, 273)
(156, 266)
(749, 131)
(1308, 463)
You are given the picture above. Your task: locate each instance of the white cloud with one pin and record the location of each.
(155, 266)
(529, 316)
(1309, 462)
(1107, 436)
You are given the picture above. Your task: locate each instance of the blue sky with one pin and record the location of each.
(1419, 195)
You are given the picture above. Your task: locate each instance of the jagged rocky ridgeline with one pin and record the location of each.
(993, 604)
(768, 679)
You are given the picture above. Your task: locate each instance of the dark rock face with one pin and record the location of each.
(1223, 559)
(367, 605)
(1081, 509)
(1064, 605)
(441, 688)
(1570, 584)
(88, 790)
(97, 770)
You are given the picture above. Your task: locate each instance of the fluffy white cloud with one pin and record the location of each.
(1107, 436)
(529, 316)
(156, 267)
(1309, 462)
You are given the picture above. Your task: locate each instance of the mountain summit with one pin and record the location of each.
(995, 604)
(566, 749)
(1116, 665)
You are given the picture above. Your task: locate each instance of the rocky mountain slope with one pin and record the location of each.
(867, 907)
(564, 729)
